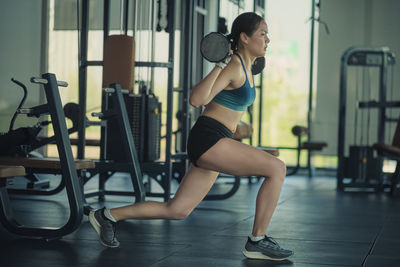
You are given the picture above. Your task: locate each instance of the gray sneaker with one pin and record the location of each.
(104, 227)
(265, 249)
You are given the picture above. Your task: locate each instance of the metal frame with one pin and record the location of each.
(68, 171)
(361, 56)
(118, 112)
(163, 168)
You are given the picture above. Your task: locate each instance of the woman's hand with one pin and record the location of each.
(224, 62)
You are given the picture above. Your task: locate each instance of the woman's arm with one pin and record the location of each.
(205, 90)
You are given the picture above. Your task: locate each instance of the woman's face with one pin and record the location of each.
(259, 40)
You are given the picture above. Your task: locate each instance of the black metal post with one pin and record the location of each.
(382, 97)
(260, 110)
(68, 170)
(310, 93)
(106, 19)
(128, 143)
(171, 26)
(342, 121)
(126, 17)
(103, 176)
(186, 69)
(83, 78)
(260, 86)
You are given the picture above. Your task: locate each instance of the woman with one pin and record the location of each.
(226, 92)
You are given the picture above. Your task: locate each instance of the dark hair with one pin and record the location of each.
(246, 22)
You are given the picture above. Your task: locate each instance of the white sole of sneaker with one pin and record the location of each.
(260, 256)
(94, 222)
(97, 227)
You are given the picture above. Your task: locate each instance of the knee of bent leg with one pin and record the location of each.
(175, 212)
(282, 169)
(278, 170)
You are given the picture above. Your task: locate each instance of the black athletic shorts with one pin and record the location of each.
(205, 133)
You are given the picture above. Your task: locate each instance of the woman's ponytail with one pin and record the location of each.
(233, 41)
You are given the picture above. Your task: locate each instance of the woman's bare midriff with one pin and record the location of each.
(228, 117)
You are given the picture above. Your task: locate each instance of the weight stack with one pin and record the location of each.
(361, 165)
(144, 114)
(153, 127)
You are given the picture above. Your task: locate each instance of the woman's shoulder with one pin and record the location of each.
(235, 61)
(235, 66)
(236, 71)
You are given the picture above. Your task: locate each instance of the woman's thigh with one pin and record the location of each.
(236, 158)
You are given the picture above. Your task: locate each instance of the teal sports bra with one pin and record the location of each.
(237, 99)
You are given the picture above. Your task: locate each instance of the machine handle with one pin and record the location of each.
(112, 90)
(97, 114)
(44, 81)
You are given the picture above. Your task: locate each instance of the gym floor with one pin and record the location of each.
(322, 226)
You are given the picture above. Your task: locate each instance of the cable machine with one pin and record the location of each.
(162, 170)
(358, 165)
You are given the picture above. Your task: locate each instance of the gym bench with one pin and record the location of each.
(44, 166)
(11, 171)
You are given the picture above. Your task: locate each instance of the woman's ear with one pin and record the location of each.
(244, 38)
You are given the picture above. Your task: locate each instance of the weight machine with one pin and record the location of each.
(17, 145)
(160, 170)
(358, 165)
(64, 166)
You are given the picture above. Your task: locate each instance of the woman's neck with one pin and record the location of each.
(247, 58)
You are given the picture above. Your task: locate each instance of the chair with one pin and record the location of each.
(299, 132)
